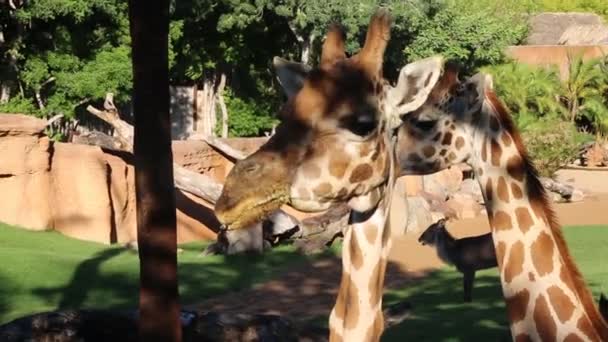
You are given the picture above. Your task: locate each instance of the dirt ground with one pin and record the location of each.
(310, 290)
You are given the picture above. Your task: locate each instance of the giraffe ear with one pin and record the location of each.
(416, 81)
(291, 75)
(482, 81)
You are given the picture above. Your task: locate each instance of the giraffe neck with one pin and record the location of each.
(357, 314)
(545, 294)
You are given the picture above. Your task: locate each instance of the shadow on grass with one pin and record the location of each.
(439, 313)
(299, 287)
(103, 283)
(6, 290)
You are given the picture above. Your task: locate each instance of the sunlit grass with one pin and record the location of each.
(440, 314)
(45, 271)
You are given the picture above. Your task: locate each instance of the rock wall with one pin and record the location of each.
(25, 173)
(88, 193)
(555, 55)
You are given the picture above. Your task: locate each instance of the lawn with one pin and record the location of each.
(440, 315)
(44, 271)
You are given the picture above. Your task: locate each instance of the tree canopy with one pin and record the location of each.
(57, 56)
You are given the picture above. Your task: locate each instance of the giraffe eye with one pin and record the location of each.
(424, 124)
(360, 124)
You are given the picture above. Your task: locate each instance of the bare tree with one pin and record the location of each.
(155, 196)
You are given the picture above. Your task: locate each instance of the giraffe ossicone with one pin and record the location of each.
(465, 122)
(335, 143)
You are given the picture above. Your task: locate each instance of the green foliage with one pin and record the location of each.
(469, 33)
(19, 104)
(552, 144)
(584, 91)
(60, 54)
(63, 53)
(530, 93)
(593, 6)
(533, 93)
(248, 117)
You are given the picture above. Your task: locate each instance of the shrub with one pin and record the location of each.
(553, 144)
(249, 117)
(530, 93)
(21, 105)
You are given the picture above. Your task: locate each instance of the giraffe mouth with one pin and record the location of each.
(248, 214)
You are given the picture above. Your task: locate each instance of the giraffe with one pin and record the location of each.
(465, 122)
(335, 143)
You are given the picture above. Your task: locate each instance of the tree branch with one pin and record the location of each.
(224, 149)
(54, 119)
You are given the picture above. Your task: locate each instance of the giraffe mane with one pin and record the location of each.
(538, 195)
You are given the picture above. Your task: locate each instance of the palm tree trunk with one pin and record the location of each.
(154, 191)
(573, 109)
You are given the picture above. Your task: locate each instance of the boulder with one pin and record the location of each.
(419, 215)
(577, 196)
(122, 191)
(593, 34)
(195, 218)
(21, 125)
(400, 210)
(196, 155)
(471, 187)
(82, 202)
(88, 193)
(549, 28)
(25, 180)
(444, 182)
(464, 205)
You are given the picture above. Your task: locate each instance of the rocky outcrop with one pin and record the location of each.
(585, 35)
(81, 198)
(25, 177)
(87, 192)
(548, 28)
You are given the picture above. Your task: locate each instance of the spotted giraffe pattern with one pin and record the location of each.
(335, 143)
(357, 314)
(545, 295)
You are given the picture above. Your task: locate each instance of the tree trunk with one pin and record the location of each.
(155, 198)
(5, 92)
(39, 100)
(306, 47)
(206, 106)
(573, 108)
(224, 110)
(305, 43)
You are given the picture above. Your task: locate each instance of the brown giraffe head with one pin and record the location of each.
(331, 144)
(440, 133)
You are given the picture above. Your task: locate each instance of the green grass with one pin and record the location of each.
(42, 271)
(440, 315)
(45, 271)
